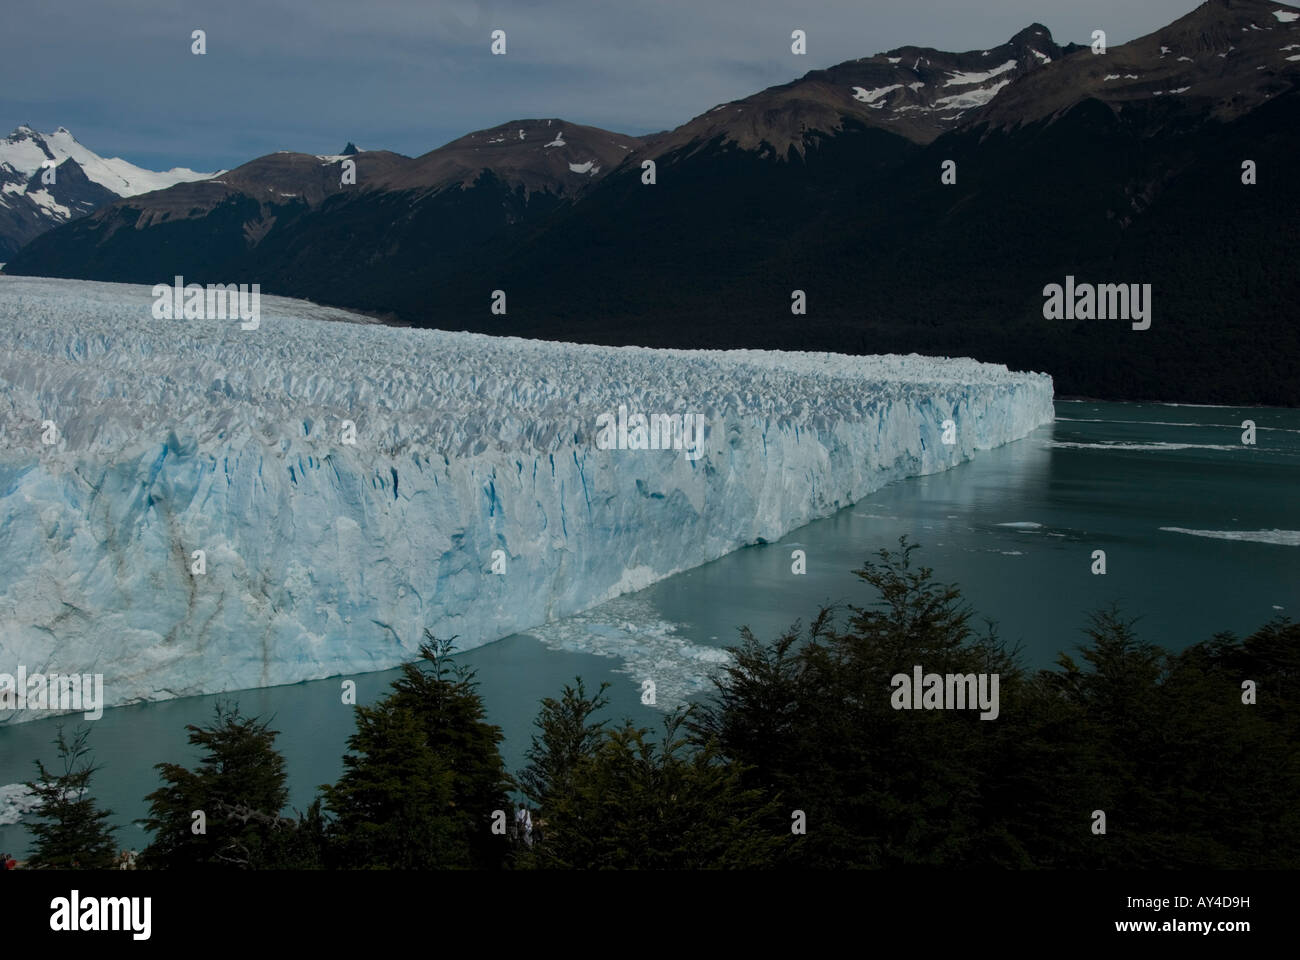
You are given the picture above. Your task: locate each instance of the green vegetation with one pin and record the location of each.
(1186, 773)
(798, 759)
(424, 776)
(227, 812)
(70, 832)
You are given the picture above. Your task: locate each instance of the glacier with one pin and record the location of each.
(474, 499)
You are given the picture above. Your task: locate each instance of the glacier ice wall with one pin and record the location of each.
(324, 557)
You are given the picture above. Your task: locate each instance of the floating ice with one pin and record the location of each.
(630, 629)
(1158, 445)
(1283, 538)
(16, 800)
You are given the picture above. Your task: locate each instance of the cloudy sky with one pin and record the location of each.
(410, 75)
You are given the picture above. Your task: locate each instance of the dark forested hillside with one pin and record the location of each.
(1063, 168)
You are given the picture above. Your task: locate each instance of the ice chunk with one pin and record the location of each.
(1282, 538)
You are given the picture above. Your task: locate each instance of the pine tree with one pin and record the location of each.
(446, 702)
(239, 790)
(424, 779)
(1189, 772)
(566, 735)
(70, 832)
(633, 803)
(393, 807)
(809, 717)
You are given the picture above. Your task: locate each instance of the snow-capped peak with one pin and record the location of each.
(27, 151)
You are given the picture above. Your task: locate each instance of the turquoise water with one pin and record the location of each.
(1016, 528)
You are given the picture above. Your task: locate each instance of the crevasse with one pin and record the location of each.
(324, 557)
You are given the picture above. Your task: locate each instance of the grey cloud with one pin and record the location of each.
(409, 76)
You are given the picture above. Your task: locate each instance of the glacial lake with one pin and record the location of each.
(1201, 534)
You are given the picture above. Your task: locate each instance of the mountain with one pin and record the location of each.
(1139, 182)
(543, 156)
(915, 92)
(1122, 167)
(292, 220)
(1221, 61)
(83, 181)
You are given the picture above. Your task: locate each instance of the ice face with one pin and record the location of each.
(323, 557)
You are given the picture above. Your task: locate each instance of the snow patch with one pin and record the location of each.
(1285, 16)
(871, 96)
(971, 98)
(960, 79)
(45, 199)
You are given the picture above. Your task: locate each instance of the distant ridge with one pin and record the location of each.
(1122, 167)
